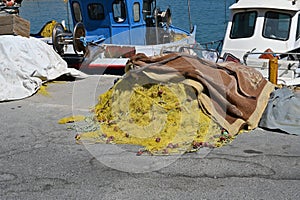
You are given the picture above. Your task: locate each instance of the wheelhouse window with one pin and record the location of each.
(136, 12)
(243, 25)
(277, 26)
(146, 9)
(119, 11)
(96, 11)
(77, 12)
(298, 29)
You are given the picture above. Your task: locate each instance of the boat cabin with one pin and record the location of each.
(261, 25)
(130, 22)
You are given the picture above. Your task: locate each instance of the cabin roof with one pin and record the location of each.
(270, 4)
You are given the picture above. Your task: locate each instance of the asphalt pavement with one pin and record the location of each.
(40, 159)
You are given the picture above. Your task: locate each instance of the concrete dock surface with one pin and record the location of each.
(39, 158)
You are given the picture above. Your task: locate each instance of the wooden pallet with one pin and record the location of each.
(14, 25)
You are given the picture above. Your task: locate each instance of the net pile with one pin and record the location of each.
(162, 118)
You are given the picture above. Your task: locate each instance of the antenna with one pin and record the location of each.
(225, 12)
(68, 14)
(190, 18)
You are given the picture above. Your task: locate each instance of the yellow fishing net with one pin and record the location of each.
(163, 118)
(48, 28)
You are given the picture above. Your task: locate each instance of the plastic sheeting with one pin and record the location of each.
(25, 63)
(283, 111)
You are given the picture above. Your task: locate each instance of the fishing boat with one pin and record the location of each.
(258, 31)
(108, 32)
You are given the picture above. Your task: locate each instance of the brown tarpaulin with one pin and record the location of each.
(234, 95)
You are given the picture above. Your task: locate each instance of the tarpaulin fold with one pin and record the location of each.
(232, 94)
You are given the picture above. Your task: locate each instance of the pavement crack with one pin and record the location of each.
(215, 155)
(5, 176)
(265, 177)
(224, 168)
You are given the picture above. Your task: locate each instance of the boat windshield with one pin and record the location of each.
(136, 12)
(77, 12)
(96, 11)
(277, 25)
(243, 25)
(119, 11)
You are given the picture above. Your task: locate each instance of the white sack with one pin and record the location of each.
(24, 64)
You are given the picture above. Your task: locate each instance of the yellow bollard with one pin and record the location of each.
(273, 70)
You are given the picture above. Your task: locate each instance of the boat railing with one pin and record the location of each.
(202, 52)
(216, 45)
(194, 49)
(279, 67)
(294, 57)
